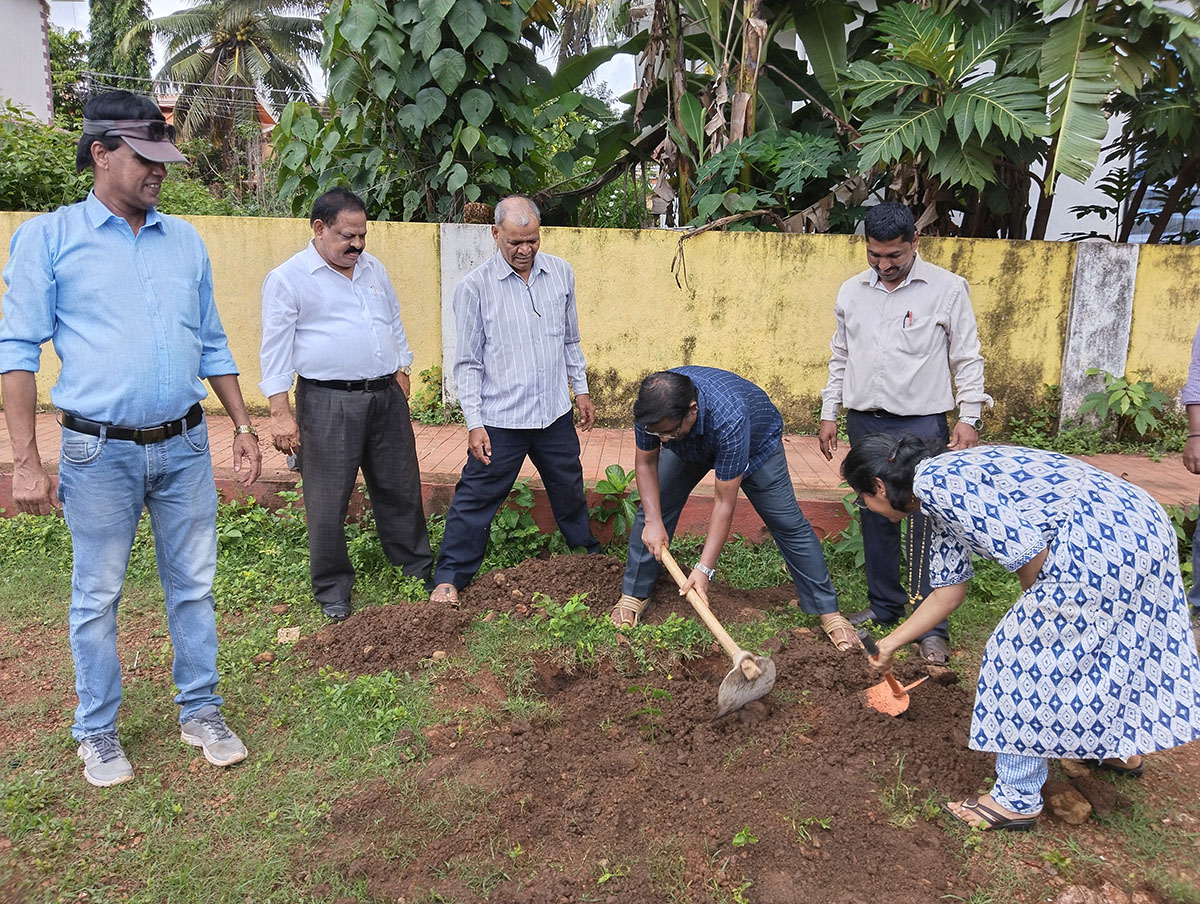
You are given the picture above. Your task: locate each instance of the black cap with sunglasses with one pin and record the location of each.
(153, 139)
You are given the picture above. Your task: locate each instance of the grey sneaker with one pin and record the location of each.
(104, 760)
(208, 731)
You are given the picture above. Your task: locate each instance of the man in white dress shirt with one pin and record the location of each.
(331, 316)
(517, 350)
(905, 328)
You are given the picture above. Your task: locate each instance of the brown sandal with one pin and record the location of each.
(629, 605)
(839, 624)
(446, 594)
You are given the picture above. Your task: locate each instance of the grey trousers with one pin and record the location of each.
(341, 432)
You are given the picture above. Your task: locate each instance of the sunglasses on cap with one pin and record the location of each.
(151, 138)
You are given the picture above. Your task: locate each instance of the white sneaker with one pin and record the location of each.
(104, 760)
(208, 731)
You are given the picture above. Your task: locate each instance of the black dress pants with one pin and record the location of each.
(888, 598)
(341, 432)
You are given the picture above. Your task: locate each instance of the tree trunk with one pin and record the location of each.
(1045, 201)
(1133, 205)
(753, 31)
(1183, 181)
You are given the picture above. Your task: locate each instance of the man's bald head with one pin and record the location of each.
(518, 210)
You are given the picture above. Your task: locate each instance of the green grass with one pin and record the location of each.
(317, 737)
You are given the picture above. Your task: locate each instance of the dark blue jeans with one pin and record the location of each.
(770, 491)
(554, 451)
(886, 596)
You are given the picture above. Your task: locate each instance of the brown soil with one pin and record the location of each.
(540, 812)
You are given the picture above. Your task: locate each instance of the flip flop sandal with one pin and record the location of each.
(934, 650)
(630, 605)
(1131, 771)
(449, 595)
(993, 819)
(839, 623)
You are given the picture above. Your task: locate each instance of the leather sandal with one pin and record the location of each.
(934, 650)
(446, 594)
(994, 819)
(628, 606)
(837, 625)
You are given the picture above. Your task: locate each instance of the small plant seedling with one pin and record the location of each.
(609, 871)
(649, 708)
(618, 500)
(744, 837)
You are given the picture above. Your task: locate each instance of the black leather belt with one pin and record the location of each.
(876, 412)
(143, 436)
(372, 385)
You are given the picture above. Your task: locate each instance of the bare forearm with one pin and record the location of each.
(718, 525)
(933, 609)
(280, 404)
(19, 388)
(229, 391)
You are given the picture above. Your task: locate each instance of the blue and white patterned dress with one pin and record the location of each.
(1098, 657)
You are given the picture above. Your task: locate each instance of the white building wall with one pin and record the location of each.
(25, 60)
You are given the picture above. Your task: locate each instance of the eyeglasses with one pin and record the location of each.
(666, 434)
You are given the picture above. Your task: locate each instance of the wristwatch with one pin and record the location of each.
(245, 428)
(705, 570)
(974, 422)
(406, 370)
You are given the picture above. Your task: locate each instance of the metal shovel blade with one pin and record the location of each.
(889, 696)
(737, 690)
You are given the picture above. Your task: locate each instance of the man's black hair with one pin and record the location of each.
(663, 396)
(330, 205)
(889, 221)
(112, 105)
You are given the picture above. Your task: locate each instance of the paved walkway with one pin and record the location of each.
(442, 453)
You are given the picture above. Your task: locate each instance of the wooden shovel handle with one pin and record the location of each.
(872, 649)
(702, 610)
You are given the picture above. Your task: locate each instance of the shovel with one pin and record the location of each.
(890, 696)
(751, 676)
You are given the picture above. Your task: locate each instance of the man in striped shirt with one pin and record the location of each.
(517, 350)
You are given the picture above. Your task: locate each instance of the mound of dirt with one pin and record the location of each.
(631, 791)
(398, 637)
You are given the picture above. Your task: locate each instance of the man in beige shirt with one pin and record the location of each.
(905, 328)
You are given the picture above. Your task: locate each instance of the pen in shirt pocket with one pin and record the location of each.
(908, 319)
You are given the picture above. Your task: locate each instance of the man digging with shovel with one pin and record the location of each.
(692, 420)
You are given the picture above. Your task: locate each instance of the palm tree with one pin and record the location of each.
(223, 56)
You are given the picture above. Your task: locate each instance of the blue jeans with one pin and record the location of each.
(103, 486)
(770, 491)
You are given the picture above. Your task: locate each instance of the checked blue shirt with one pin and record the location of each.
(737, 426)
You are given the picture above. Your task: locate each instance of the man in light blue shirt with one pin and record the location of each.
(125, 293)
(517, 356)
(330, 314)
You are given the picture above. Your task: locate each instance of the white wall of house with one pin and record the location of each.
(25, 62)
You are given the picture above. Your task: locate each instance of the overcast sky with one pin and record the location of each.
(68, 14)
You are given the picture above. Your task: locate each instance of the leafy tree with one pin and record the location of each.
(956, 107)
(111, 20)
(434, 104)
(224, 55)
(68, 63)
